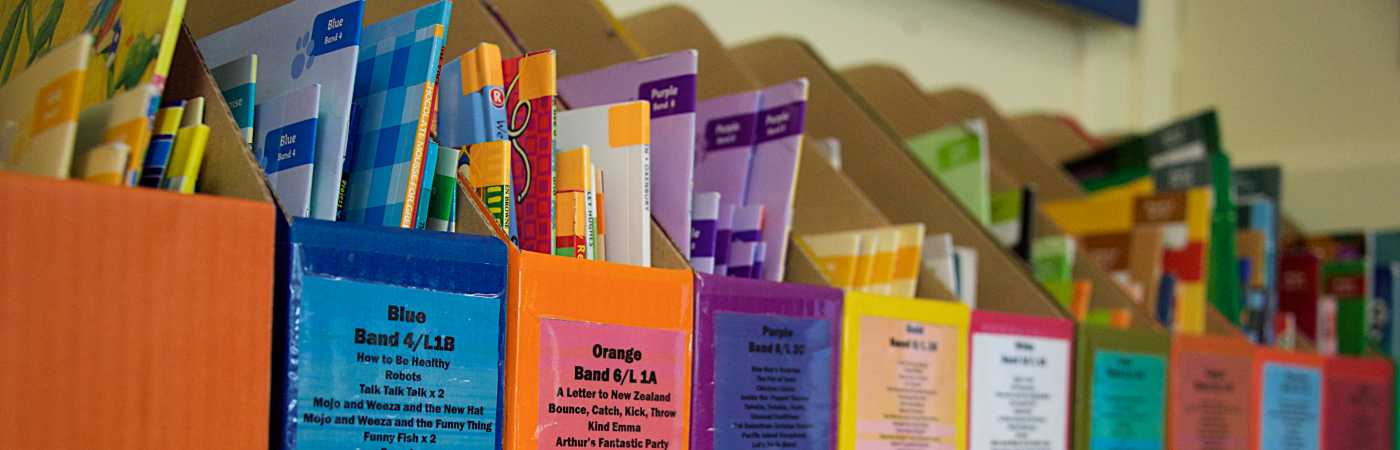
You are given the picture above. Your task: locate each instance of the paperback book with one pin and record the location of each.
(488, 176)
(167, 125)
(238, 82)
(122, 119)
(286, 146)
(773, 171)
(530, 123)
(618, 136)
(957, 157)
(471, 110)
(702, 231)
(41, 110)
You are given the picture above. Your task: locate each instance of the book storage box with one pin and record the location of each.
(1019, 388)
(121, 304)
(1120, 388)
(766, 364)
(395, 337)
(1286, 400)
(598, 354)
(903, 373)
(1209, 388)
(1359, 403)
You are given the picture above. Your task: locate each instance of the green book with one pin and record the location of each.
(1120, 395)
(1346, 281)
(957, 156)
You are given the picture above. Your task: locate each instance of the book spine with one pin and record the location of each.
(530, 125)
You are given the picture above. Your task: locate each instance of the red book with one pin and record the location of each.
(1299, 275)
(530, 92)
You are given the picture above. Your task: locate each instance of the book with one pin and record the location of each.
(702, 231)
(1385, 289)
(883, 269)
(41, 104)
(773, 171)
(391, 160)
(555, 328)
(307, 42)
(965, 264)
(188, 154)
(165, 127)
(471, 110)
(1184, 218)
(572, 233)
(957, 156)
(742, 258)
(745, 324)
(238, 82)
(618, 136)
(286, 146)
(1300, 283)
(905, 281)
(430, 326)
(1345, 281)
(724, 230)
(1014, 358)
(895, 345)
(1004, 219)
(488, 176)
(104, 164)
(724, 135)
(937, 256)
(865, 262)
(1053, 258)
(1030, 211)
(531, 125)
(748, 225)
(132, 42)
(124, 119)
(836, 255)
(668, 82)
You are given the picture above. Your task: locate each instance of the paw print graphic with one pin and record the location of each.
(304, 59)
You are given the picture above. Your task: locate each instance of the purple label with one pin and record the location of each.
(722, 251)
(782, 121)
(746, 236)
(670, 96)
(729, 132)
(702, 234)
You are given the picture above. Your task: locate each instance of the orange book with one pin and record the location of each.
(590, 343)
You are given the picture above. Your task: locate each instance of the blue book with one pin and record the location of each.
(400, 331)
(286, 146)
(302, 43)
(238, 81)
(471, 98)
(393, 161)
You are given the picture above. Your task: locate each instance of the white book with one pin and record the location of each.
(286, 146)
(938, 258)
(703, 218)
(965, 259)
(302, 43)
(619, 136)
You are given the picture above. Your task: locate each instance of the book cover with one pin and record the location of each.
(747, 232)
(567, 343)
(937, 257)
(470, 110)
(724, 135)
(904, 369)
(1120, 388)
(530, 123)
(41, 104)
(1260, 215)
(1019, 381)
(965, 265)
(1326, 340)
(1286, 400)
(166, 126)
(1385, 289)
(745, 332)
(724, 230)
(957, 156)
(188, 154)
(886, 251)
(865, 261)
(905, 281)
(1030, 210)
(238, 81)
(668, 83)
(702, 231)
(1358, 403)
(1346, 282)
(380, 318)
(1300, 282)
(618, 136)
(1210, 388)
(1052, 259)
(103, 164)
(304, 43)
(1259, 181)
(286, 146)
(836, 255)
(488, 176)
(391, 160)
(132, 42)
(1184, 218)
(773, 170)
(1004, 219)
(742, 258)
(1121, 164)
(124, 119)
(571, 231)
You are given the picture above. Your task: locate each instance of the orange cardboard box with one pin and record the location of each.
(1209, 396)
(589, 338)
(1286, 403)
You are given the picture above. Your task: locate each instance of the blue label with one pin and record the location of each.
(669, 96)
(772, 382)
(240, 104)
(1129, 396)
(1291, 407)
(293, 145)
(336, 29)
(388, 367)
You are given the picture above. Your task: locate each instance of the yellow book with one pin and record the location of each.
(39, 110)
(488, 176)
(572, 182)
(1098, 213)
(104, 164)
(125, 119)
(865, 261)
(903, 373)
(882, 269)
(907, 259)
(188, 157)
(836, 255)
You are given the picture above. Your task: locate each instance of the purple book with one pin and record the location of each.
(771, 337)
(702, 231)
(773, 172)
(668, 81)
(724, 230)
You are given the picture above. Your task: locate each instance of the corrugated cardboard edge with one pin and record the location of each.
(1051, 137)
(671, 28)
(583, 32)
(891, 179)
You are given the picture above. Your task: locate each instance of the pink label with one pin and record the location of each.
(908, 385)
(1211, 401)
(1358, 413)
(610, 386)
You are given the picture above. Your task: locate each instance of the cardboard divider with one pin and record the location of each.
(1359, 403)
(1286, 399)
(825, 199)
(583, 32)
(1120, 387)
(1209, 392)
(893, 95)
(877, 162)
(1051, 137)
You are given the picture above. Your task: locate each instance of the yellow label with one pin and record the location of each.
(57, 102)
(629, 124)
(537, 76)
(481, 67)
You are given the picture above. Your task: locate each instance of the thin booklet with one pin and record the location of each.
(619, 137)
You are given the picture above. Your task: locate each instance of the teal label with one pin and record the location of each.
(389, 367)
(1129, 396)
(1291, 407)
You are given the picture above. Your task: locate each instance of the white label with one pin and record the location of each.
(1020, 393)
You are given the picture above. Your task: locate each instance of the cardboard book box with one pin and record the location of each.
(122, 304)
(1287, 398)
(1120, 388)
(1359, 403)
(761, 346)
(1209, 381)
(1052, 137)
(903, 373)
